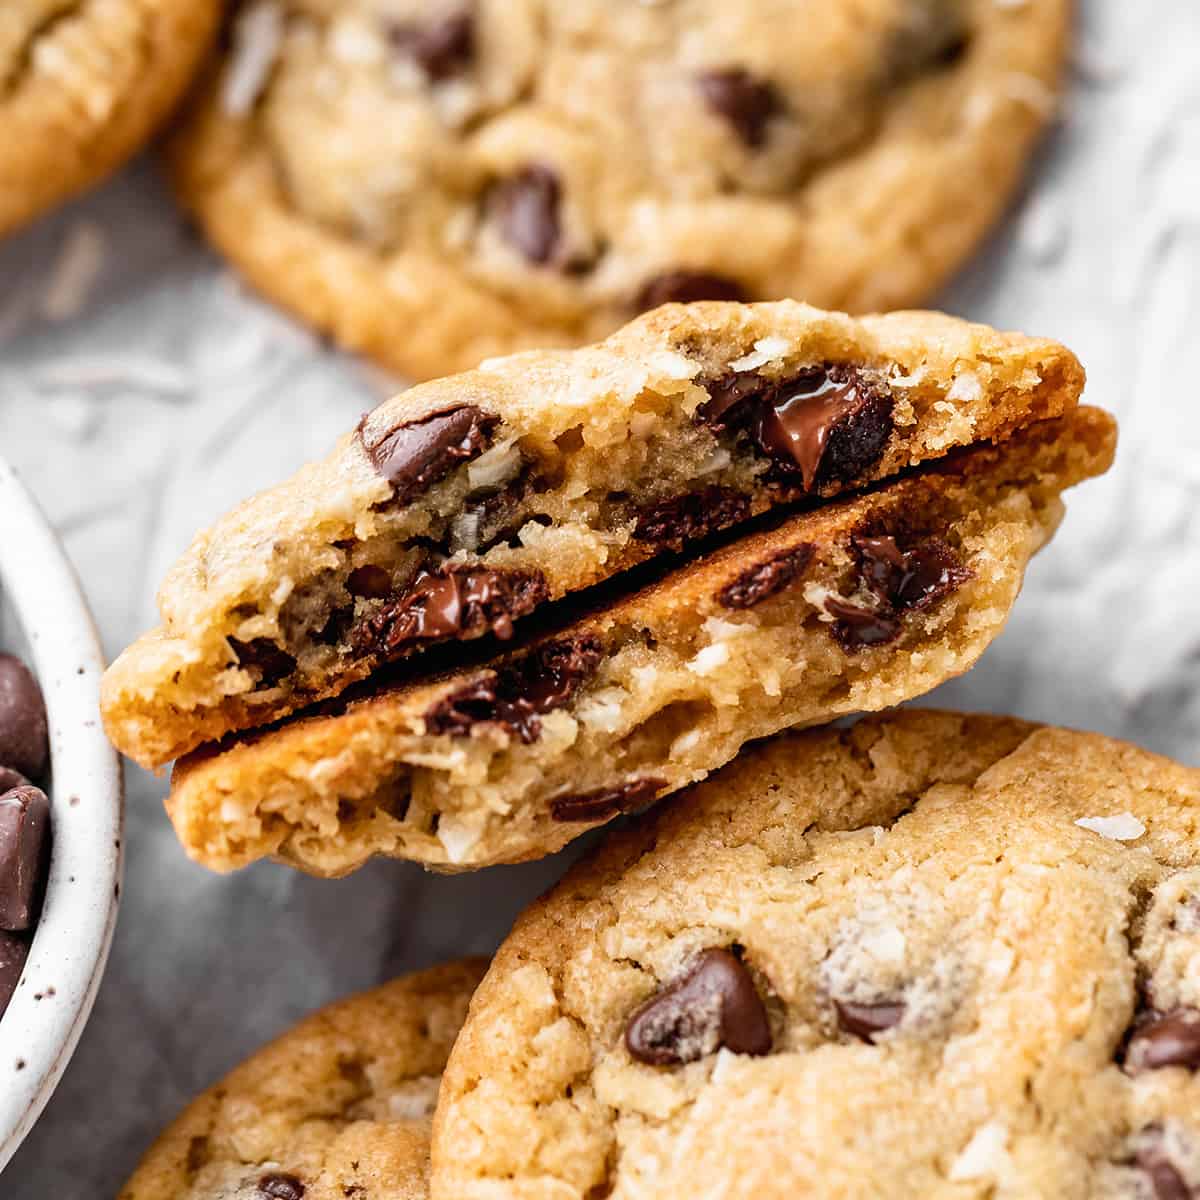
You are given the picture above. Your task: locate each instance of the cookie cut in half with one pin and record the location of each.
(338, 1107)
(933, 955)
(462, 506)
(858, 605)
(83, 85)
(436, 181)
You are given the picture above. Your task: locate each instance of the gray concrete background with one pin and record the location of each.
(142, 392)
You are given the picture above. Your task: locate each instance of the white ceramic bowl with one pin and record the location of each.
(41, 1027)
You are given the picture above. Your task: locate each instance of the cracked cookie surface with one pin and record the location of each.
(545, 170)
(83, 84)
(337, 1107)
(859, 605)
(458, 509)
(932, 955)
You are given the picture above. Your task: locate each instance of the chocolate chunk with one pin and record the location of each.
(827, 424)
(1165, 1040)
(604, 803)
(451, 602)
(682, 519)
(10, 779)
(515, 698)
(24, 851)
(715, 1005)
(281, 1187)
(526, 208)
(754, 585)
(912, 578)
(263, 656)
(24, 742)
(866, 1020)
(1151, 1159)
(14, 950)
(415, 456)
(746, 102)
(686, 287)
(440, 49)
(856, 627)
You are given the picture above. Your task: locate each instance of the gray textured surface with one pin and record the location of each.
(170, 394)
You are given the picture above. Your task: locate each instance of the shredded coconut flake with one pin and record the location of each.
(496, 467)
(1122, 828)
(984, 1155)
(709, 659)
(257, 38)
(765, 350)
(456, 837)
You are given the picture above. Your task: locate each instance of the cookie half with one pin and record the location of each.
(83, 85)
(934, 955)
(859, 605)
(462, 506)
(337, 1107)
(436, 181)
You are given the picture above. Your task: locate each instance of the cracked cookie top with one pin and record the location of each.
(548, 170)
(933, 955)
(338, 1107)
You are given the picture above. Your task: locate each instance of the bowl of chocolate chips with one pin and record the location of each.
(60, 814)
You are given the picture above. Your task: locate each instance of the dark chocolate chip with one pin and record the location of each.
(746, 102)
(24, 850)
(715, 1005)
(856, 627)
(442, 48)
(515, 698)
(525, 206)
(866, 1020)
(687, 287)
(414, 456)
(913, 577)
(263, 656)
(10, 779)
(675, 522)
(604, 803)
(754, 585)
(24, 742)
(451, 602)
(1152, 1160)
(14, 950)
(281, 1187)
(1165, 1040)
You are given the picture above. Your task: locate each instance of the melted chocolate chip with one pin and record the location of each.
(415, 456)
(746, 102)
(10, 779)
(515, 698)
(263, 656)
(440, 49)
(754, 585)
(1152, 1160)
(604, 803)
(24, 848)
(281, 1187)
(14, 950)
(1165, 1040)
(864, 1021)
(687, 287)
(912, 578)
(451, 602)
(682, 519)
(715, 1005)
(525, 206)
(826, 424)
(856, 627)
(24, 743)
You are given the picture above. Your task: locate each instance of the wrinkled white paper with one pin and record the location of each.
(143, 391)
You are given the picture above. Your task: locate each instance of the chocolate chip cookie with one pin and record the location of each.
(338, 1107)
(83, 84)
(463, 506)
(934, 955)
(858, 605)
(436, 181)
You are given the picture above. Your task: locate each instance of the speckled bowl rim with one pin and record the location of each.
(50, 1007)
